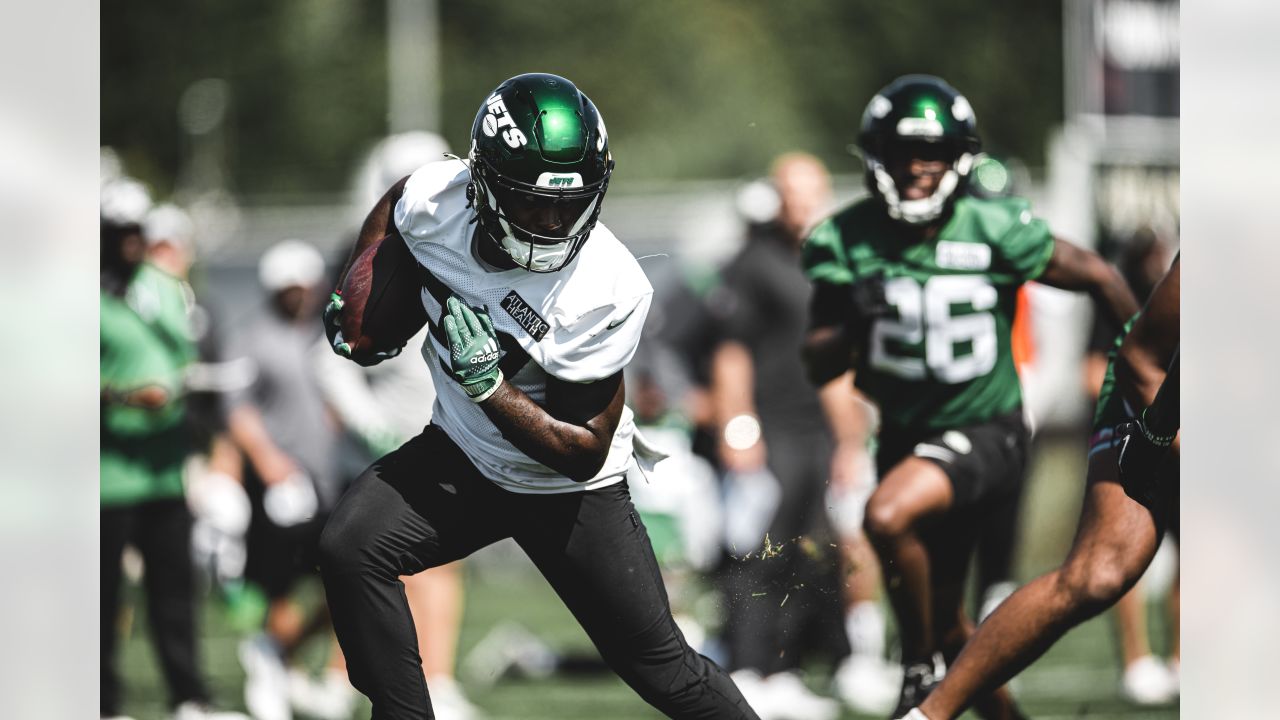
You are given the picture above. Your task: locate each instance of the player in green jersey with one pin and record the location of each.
(145, 348)
(915, 289)
(1131, 498)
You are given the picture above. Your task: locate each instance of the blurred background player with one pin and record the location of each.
(865, 680)
(1145, 678)
(215, 492)
(771, 495)
(1122, 521)
(917, 285)
(282, 427)
(145, 341)
(380, 407)
(783, 589)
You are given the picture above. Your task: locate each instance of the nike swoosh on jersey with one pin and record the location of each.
(613, 325)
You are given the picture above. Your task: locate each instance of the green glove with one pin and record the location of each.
(473, 350)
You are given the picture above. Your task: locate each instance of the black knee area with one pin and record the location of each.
(341, 545)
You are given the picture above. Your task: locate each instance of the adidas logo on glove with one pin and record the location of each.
(490, 353)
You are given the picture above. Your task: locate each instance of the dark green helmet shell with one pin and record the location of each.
(539, 139)
(918, 108)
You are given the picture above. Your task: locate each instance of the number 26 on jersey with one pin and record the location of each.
(925, 315)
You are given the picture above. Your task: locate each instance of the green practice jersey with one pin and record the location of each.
(144, 340)
(943, 358)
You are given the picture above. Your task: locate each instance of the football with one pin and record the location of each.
(382, 296)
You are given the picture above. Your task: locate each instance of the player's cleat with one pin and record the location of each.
(115, 717)
(867, 684)
(266, 684)
(1147, 681)
(329, 697)
(914, 714)
(448, 701)
(194, 710)
(792, 700)
(918, 681)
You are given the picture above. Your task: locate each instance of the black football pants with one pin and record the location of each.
(161, 530)
(425, 505)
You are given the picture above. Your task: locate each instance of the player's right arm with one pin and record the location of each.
(377, 224)
(1147, 372)
(741, 445)
(1148, 349)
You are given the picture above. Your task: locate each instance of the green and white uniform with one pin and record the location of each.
(945, 359)
(940, 366)
(144, 340)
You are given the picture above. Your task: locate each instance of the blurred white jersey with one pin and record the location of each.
(580, 324)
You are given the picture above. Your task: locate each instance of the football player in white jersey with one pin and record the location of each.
(534, 310)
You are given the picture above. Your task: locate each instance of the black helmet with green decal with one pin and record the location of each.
(540, 166)
(918, 111)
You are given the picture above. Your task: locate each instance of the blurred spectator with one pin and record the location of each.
(145, 348)
(865, 680)
(215, 493)
(382, 406)
(281, 425)
(1146, 680)
(783, 591)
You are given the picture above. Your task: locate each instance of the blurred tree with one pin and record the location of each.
(689, 90)
(307, 79)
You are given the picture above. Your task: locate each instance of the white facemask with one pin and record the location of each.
(924, 210)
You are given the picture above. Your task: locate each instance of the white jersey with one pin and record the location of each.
(580, 324)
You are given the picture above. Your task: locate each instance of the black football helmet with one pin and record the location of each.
(914, 109)
(539, 148)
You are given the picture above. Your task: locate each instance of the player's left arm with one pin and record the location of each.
(1072, 267)
(573, 434)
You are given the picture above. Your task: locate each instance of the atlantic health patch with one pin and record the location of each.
(525, 316)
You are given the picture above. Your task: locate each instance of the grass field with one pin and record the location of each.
(1078, 678)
